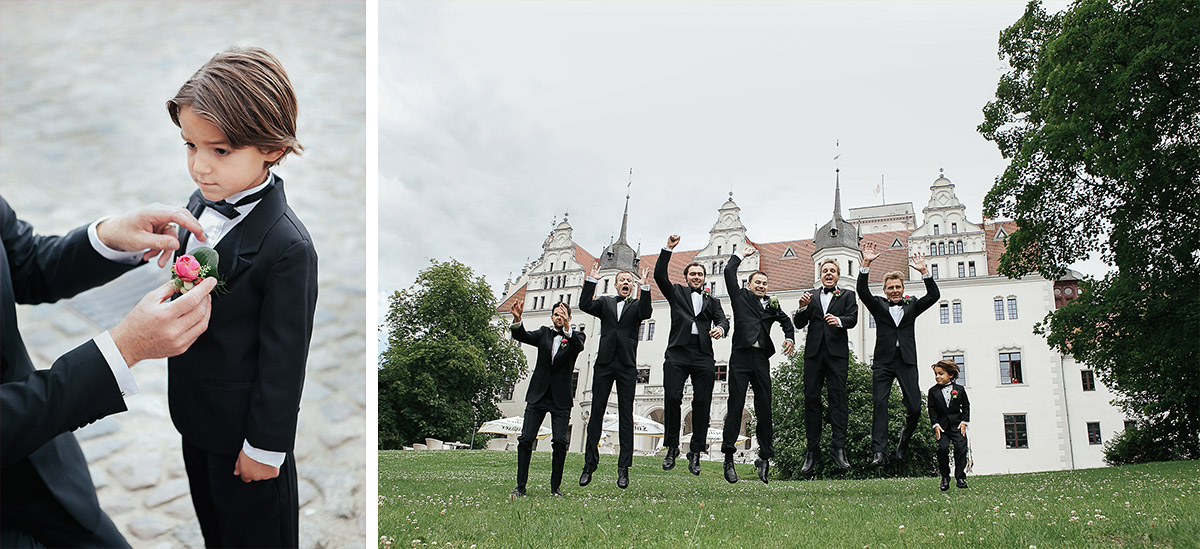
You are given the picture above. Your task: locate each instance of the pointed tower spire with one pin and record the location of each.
(837, 194)
(625, 217)
(619, 254)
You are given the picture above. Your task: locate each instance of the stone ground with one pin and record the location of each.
(84, 133)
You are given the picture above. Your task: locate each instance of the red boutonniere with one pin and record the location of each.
(953, 394)
(837, 293)
(563, 344)
(707, 292)
(907, 299)
(192, 268)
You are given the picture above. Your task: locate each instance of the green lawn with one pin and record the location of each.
(460, 499)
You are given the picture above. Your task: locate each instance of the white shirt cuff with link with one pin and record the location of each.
(116, 363)
(128, 258)
(265, 457)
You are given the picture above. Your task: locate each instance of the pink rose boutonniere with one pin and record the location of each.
(192, 268)
(907, 299)
(707, 292)
(837, 292)
(953, 394)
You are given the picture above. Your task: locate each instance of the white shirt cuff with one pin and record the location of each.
(128, 258)
(645, 287)
(116, 363)
(590, 279)
(514, 325)
(274, 459)
(839, 321)
(964, 423)
(927, 275)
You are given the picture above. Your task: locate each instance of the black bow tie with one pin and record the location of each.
(698, 290)
(827, 290)
(230, 210)
(895, 303)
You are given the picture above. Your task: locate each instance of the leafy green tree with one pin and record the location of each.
(448, 359)
(1099, 118)
(787, 411)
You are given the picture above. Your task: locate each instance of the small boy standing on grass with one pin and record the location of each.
(949, 411)
(235, 394)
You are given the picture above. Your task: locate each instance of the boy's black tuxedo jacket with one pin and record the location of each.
(752, 322)
(682, 316)
(886, 331)
(949, 415)
(618, 339)
(835, 337)
(39, 408)
(551, 375)
(242, 377)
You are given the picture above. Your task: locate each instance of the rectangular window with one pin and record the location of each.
(605, 286)
(1010, 368)
(1094, 432)
(508, 391)
(568, 299)
(1014, 431)
(962, 366)
(936, 229)
(721, 372)
(542, 305)
(564, 265)
(971, 268)
(650, 330)
(934, 270)
(871, 319)
(574, 382)
(643, 375)
(718, 249)
(945, 313)
(999, 305)
(1089, 380)
(642, 332)
(743, 283)
(962, 270)
(1012, 308)
(957, 306)
(1130, 424)
(850, 267)
(954, 228)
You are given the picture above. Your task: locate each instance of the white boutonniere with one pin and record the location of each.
(773, 303)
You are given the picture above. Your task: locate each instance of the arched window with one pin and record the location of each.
(941, 248)
(958, 246)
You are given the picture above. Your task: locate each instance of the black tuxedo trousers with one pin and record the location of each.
(684, 363)
(625, 377)
(881, 387)
(535, 414)
(749, 367)
(824, 369)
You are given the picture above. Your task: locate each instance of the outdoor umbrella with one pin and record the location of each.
(510, 426)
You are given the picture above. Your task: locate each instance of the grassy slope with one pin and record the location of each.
(461, 498)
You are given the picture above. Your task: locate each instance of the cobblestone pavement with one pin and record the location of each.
(84, 133)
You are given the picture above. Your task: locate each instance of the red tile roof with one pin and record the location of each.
(518, 295)
(996, 247)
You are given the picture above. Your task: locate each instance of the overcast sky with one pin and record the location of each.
(497, 117)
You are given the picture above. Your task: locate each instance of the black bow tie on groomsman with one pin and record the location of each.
(827, 290)
(230, 210)
(698, 290)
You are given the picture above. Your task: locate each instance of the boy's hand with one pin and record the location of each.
(251, 470)
(151, 227)
(937, 432)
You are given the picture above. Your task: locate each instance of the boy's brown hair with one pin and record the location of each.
(246, 93)
(949, 366)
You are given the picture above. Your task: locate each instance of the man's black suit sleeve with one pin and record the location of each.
(519, 334)
(645, 309)
(850, 318)
(78, 389)
(576, 341)
(731, 280)
(932, 294)
(586, 303)
(801, 316)
(864, 294)
(288, 305)
(964, 405)
(789, 331)
(717, 313)
(662, 279)
(929, 402)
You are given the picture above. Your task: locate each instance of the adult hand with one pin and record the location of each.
(595, 273)
(716, 333)
(869, 254)
(962, 428)
(150, 227)
(918, 263)
(157, 328)
(805, 299)
(645, 276)
(788, 347)
(749, 250)
(251, 470)
(672, 241)
(518, 307)
(831, 320)
(937, 432)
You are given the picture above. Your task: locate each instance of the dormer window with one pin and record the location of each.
(833, 232)
(954, 228)
(936, 229)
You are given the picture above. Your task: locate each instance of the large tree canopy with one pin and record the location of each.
(447, 360)
(1100, 117)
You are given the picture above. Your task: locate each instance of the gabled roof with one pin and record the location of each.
(516, 296)
(995, 246)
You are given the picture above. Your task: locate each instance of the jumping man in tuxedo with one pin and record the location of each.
(895, 348)
(753, 314)
(549, 390)
(827, 311)
(615, 362)
(696, 320)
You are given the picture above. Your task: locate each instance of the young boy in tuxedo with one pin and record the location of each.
(235, 395)
(949, 411)
(549, 390)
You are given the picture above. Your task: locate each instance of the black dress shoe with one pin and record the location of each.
(622, 477)
(764, 467)
(730, 474)
(945, 483)
(585, 478)
(901, 453)
(880, 460)
(839, 458)
(962, 483)
(693, 463)
(669, 460)
(555, 492)
(810, 462)
(517, 493)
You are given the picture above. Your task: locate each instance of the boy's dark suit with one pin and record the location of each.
(46, 491)
(549, 393)
(241, 379)
(949, 415)
(748, 363)
(688, 355)
(616, 361)
(827, 362)
(895, 358)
